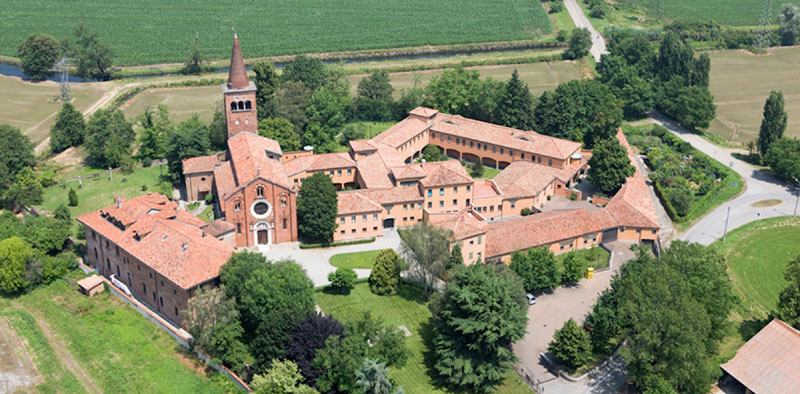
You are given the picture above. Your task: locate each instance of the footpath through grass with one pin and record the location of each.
(756, 254)
(409, 308)
(355, 260)
(121, 350)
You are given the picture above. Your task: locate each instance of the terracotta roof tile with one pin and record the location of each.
(526, 232)
(393, 195)
(770, 361)
(159, 234)
(464, 224)
(443, 173)
(350, 202)
(401, 132)
(249, 160)
(362, 146)
(484, 188)
(373, 172)
(218, 227)
(633, 206)
(527, 179)
(321, 162)
(424, 112)
(407, 172)
(223, 178)
(198, 164)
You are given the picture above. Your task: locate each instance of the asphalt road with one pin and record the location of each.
(759, 185)
(580, 20)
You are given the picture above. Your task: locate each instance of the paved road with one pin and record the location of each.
(580, 20)
(759, 185)
(316, 261)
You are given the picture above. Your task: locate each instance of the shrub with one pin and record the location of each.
(73, 197)
(385, 276)
(209, 198)
(343, 280)
(571, 344)
(526, 212)
(144, 188)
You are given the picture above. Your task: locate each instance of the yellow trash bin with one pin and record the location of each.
(589, 272)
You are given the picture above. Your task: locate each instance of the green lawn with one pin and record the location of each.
(488, 173)
(99, 191)
(596, 257)
(207, 215)
(271, 27)
(757, 254)
(727, 12)
(120, 349)
(409, 308)
(355, 259)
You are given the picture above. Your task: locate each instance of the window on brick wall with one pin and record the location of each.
(284, 223)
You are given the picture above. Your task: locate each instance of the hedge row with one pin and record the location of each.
(343, 243)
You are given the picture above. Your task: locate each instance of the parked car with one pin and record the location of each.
(531, 298)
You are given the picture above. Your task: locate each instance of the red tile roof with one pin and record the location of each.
(770, 361)
(218, 227)
(223, 178)
(249, 160)
(407, 172)
(528, 179)
(350, 202)
(393, 195)
(199, 164)
(373, 172)
(321, 162)
(237, 75)
(362, 146)
(633, 205)
(485, 188)
(443, 173)
(401, 132)
(506, 236)
(424, 112)
(162, 236)
(463, 225)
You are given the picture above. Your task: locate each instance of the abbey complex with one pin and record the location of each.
(162, 253)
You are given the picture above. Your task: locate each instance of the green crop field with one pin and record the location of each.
(727, 12)
(152, 31)
(408, 308)
(741, 82)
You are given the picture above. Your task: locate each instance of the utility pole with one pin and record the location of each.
(725, 233)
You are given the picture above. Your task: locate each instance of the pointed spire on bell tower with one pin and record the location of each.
(237, 76)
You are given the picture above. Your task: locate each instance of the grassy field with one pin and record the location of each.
(120, 350)
(371, 129)
(727, 12)
(757, 254)
(355, 259)
(99, 191)
(488, 173)
(32, 107)
(164, 31)
(182, 102)
(741, 82)
(408, 308)
(596, 257)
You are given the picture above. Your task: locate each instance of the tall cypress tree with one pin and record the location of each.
(774, 123)
(675, 57)
(516, 105)
(266, 82)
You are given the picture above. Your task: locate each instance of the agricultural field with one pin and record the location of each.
(158, 32)
(726, 12)
(408, 308)
(741, 82)
(756, 254)
(32, 107)
(182, 102)
(99, 344)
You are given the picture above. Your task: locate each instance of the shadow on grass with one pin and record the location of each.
(749, 328)
(412, 293)
(750, 158)
(429, 356)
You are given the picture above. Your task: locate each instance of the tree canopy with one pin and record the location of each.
(281, 130)
(609, 166)
(789, 24)
(17, 153)
(308, 337)
(783, 157)
(317, 209)
(385, 275)
(774, 122)
(267, 82)
(580, 41)
(38, 54)
(68, 130)
(15, 254)
(476, 319)
(93, 57)
(426, 248)
(109, 137)
(515, 107)
(374, 98)
(789, 299)
(537, 268)
(282, 377)
(189, 139)
(571, 344)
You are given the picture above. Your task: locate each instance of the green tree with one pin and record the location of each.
(343, 280)
(691, 106)
(213, 321)
(476, 319)
(317, 137)
(26, 190)
(426, 248)
(456, 257)
(580, 41)
(308, 337)
(73, 197)
(189, 139)
(93, 57)
(266, 81)
(292, 99)
(515, 107)
(272, 297)
(195, 59)
(310, 71)
(63, 214)
(571, 344)
(68, 130)
(326, 109)
(701, 69)
(56, 267)
(774, 122)
(281, 130)
(609, 166)
(476, 169)
(374, 98)
(789, 299)
(38, 54)
(218, 128)
(783, 157)
(675, 57)
(17, 153)
(584, 111)
(282, 377)
(602, 322)
(573, 269)
(45, 233)
(15, 254)
(409, 99)
(537, 268)
(317, 209)
(789, 22)
(109, 137)
(385, 275)
(10, 225)
(373, 378)
(431, 153)
(461, 92)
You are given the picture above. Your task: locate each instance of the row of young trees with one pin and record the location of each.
(39, 52)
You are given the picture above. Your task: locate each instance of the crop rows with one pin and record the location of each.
(726, 12)
(157, 31)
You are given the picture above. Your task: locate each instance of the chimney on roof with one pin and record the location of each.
(118, 202)
(184, 246)
(237, 76)
(204, 233)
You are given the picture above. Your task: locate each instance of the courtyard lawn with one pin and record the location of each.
(120, 350)
(596, 257)
(99, 191)
(207, 215)
(488, 173)
(355, 260)
(741, 82)
(408, 308)
(756, 254)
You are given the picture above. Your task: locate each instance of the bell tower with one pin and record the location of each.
(240, 96)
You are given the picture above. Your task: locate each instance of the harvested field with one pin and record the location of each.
(18, 371)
